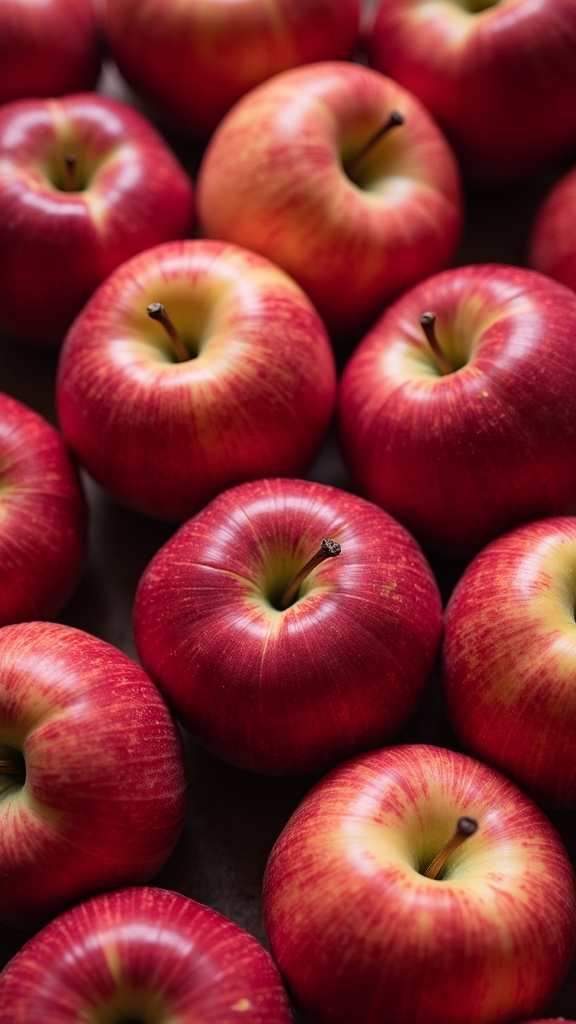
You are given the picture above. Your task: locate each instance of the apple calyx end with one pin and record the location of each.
(70, 172)
(157, 311)
(328, 549)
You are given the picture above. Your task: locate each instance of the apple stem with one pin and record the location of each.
(428, 320)
(70, 176)
(9, 767)
(156, 311)
(396, 118)
(465, 827)
(328, 549)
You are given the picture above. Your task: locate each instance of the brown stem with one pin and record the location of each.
(428, 321)
(157, 312)
(70, 176)
(328, 549)
(396, 118)
(10, 767)
(465, 827)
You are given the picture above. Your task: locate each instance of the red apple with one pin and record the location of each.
(47, 48)
(142, 954)
(253, 394)
(361, 934)
(499, 77)
(42, 517)
(194, 60)
(469, 441)
(509, 658)
(286, 174)
(296, 686)
(85, 182)
(92, 787)
(553, 239)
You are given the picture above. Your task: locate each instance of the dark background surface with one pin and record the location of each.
(234, 817)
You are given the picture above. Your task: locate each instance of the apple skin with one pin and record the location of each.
(142, 954)
(57, 246)
(360, 935)
(166, 437)
(553, 240)
(291, 691)
(48, 48)
(500, 81)
(461, 458)
(103, 799)
(193, 61)
(509, 658)
(350, 246)
(42, 516)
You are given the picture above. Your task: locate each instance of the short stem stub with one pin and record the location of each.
(156, 311)
(328, 549)
(10, 767)
(464, 828)
(395, 119)
(70, 175)
(427, 321)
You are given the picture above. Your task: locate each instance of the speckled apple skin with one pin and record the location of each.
(298, 690)
(360, 934)
(42, 517)
(103, 801)
(509, 658)
(143, 953)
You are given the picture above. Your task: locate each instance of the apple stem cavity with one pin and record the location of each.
(395, 119)
(156, 311)
(427, 321)
(10, 767)
(70, 175)
(465, 827)
(328, 549)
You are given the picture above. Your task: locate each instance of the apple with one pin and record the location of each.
(42, 516)
(92, 785)
(85, 182)
(553, 238)
(143, 955)
(361, 933)
(47, 48)
(509, 658)
(469, 429)
(282, 678)
(249, 389)
(295, 172)
(499, 77)
(194, 60)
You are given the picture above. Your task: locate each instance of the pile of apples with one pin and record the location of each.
(288, 350)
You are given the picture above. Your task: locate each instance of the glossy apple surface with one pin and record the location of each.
(96, 797)
(47, 48)
(294, 690)
(553, 239)
(254, 398)
(361, 934)
(142, 955)
(499, 77)
(194, 60)
(42, 516)
(61, 236)
(273, 179)
(509, 658)
(461, 456)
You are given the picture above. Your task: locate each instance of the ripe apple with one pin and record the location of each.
(468, 432)
(361, 933)
(47, 48)
(289, 173)
(145, 956)
(92, 787)
(249, 391)
(500, 78)
(294, 685)
(194, 60)
(509, 658)
(553, 239)
(42, 516)
(85, 182)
